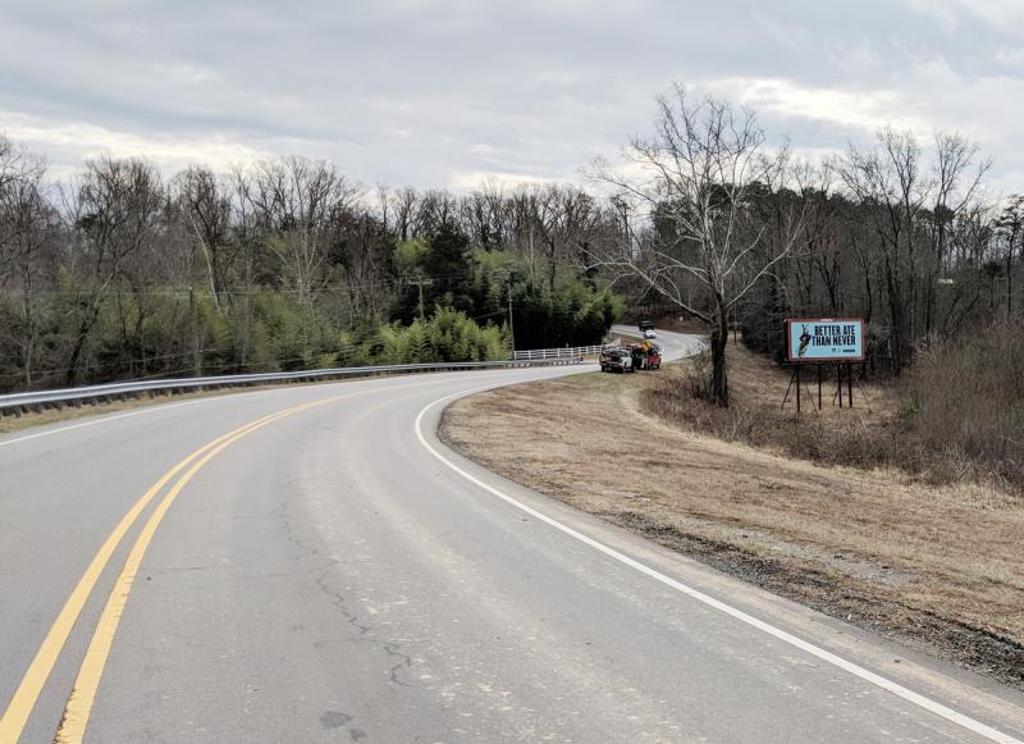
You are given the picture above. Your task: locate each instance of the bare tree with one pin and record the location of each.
(436, 209)
(913, 215)
(1010, 228)
(116, 208)
(20, 180)
(484, 217)
(567, 222)
(958, 172)
(887, 181)
(296, 199)
(206, 210)
(405, 203)
(29, 230)
(698, 176)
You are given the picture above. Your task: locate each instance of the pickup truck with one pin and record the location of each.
(616, 359)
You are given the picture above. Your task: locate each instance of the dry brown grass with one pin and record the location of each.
(13, 423)
(880, 547)
(965, 401)
(869, 435)
(955, 418)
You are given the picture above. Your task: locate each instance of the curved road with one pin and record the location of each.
(336, 574)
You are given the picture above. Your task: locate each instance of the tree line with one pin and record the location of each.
(122, 273)
(722, 228)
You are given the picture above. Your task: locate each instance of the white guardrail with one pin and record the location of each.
(16, 404)
(568, 352)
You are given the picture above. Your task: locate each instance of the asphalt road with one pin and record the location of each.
(336, 574)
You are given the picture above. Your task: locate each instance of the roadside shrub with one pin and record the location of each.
(850, 442)
(966, 401)
(698, 375)
(960, 418)
(448, 336)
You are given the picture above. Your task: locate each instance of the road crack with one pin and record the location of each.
(392, 649)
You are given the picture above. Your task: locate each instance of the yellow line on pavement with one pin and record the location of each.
(83, 694)
(13, 721)
(20, 707)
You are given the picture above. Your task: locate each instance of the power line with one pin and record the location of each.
(183, 290)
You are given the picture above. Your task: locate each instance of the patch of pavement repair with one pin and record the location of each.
(332, 719)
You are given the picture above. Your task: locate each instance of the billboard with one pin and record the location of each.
(825, 340)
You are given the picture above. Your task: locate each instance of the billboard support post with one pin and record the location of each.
(794, 379)
(798, 389)
(840, 394)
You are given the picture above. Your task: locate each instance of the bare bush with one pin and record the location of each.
(960, 417)
(966, 401)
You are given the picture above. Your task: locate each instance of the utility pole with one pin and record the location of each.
(419, 283)
(197, 362)
(511, 324)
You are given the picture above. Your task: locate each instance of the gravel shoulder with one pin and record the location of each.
(936, 567)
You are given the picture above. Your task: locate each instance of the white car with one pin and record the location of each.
(650, 334)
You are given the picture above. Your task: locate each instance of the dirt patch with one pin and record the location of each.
(937, 566)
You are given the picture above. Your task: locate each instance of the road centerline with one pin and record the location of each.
(23, 702)
(27, 693)
(83, 691)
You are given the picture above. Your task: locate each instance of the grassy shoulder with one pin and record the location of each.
(934, 560)
(11, 424)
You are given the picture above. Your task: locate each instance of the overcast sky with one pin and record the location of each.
(446, 93)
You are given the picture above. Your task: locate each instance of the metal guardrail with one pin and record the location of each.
(16, 404)
(567, 352)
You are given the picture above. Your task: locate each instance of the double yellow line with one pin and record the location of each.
(83, 693)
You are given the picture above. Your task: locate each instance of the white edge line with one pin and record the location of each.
(152, 408)
(158, 407)
(103, 419)
(848, 666)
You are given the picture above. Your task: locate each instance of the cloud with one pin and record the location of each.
(845, 109)
(926, 96)
(1005, 15)
(81, 140)
(442, 92)
(471, 179)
